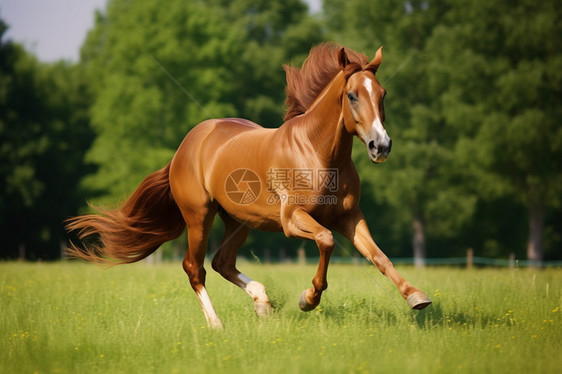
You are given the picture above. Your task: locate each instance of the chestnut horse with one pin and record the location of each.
(298, 178)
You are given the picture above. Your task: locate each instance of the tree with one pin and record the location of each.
(421, 181)
(474, 89)
(508, 110)
(158, 71)
(44, 132)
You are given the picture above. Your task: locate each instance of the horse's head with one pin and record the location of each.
(363, 105)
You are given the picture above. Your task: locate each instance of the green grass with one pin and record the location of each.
(76, 318)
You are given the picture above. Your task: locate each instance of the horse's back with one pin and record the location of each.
(202, 148)
(214, 154)
(212, 131)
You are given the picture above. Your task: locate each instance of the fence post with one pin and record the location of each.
(512, 260)
(282, 255)
(469, 258)
(21, 252)
(302, 255)
(149, 260)
(62, 247)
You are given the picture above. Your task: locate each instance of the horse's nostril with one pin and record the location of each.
(389, 145)
(372, 145)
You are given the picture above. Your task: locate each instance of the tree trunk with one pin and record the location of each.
(302, 254)
(536, 227)
(419, 241)
(21, 252)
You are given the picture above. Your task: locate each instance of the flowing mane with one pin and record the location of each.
(319, 68)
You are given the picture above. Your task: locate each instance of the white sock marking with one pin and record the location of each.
(213, 319)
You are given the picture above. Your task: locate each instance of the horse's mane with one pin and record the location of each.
(319, 68)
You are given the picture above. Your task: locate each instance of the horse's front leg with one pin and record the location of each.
(298, 223)
(354, 227)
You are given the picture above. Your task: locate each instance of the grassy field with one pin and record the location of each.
(76, 318)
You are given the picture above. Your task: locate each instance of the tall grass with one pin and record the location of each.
(76, 318)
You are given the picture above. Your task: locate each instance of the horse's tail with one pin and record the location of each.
(130, 233)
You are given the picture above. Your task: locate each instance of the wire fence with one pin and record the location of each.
(454, 261)
(467, 261)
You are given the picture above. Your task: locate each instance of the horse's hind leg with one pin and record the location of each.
(224, 263)
(198, 228)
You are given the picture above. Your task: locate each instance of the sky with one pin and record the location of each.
(55, 29)
(51, 29)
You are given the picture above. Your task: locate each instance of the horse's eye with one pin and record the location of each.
(352, 97)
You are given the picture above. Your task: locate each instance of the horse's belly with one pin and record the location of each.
(255, 217)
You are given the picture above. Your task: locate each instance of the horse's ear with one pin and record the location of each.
(374, 65)
(343, 60)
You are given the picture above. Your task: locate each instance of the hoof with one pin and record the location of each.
(303, 304)
(418, 300)
(215, 325)
(263, 309)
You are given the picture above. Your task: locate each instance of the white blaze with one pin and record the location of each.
(377, 130)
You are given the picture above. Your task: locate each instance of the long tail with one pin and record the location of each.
(130, 233)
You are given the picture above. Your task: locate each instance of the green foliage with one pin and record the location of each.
(473, 110)
(44, 132)
(498, 84)
(510, 91)
(421, 179)
(65, 317)
(158, 71)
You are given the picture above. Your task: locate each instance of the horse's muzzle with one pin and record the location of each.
(379, 152)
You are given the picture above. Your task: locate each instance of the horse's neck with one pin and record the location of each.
(322, 126)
